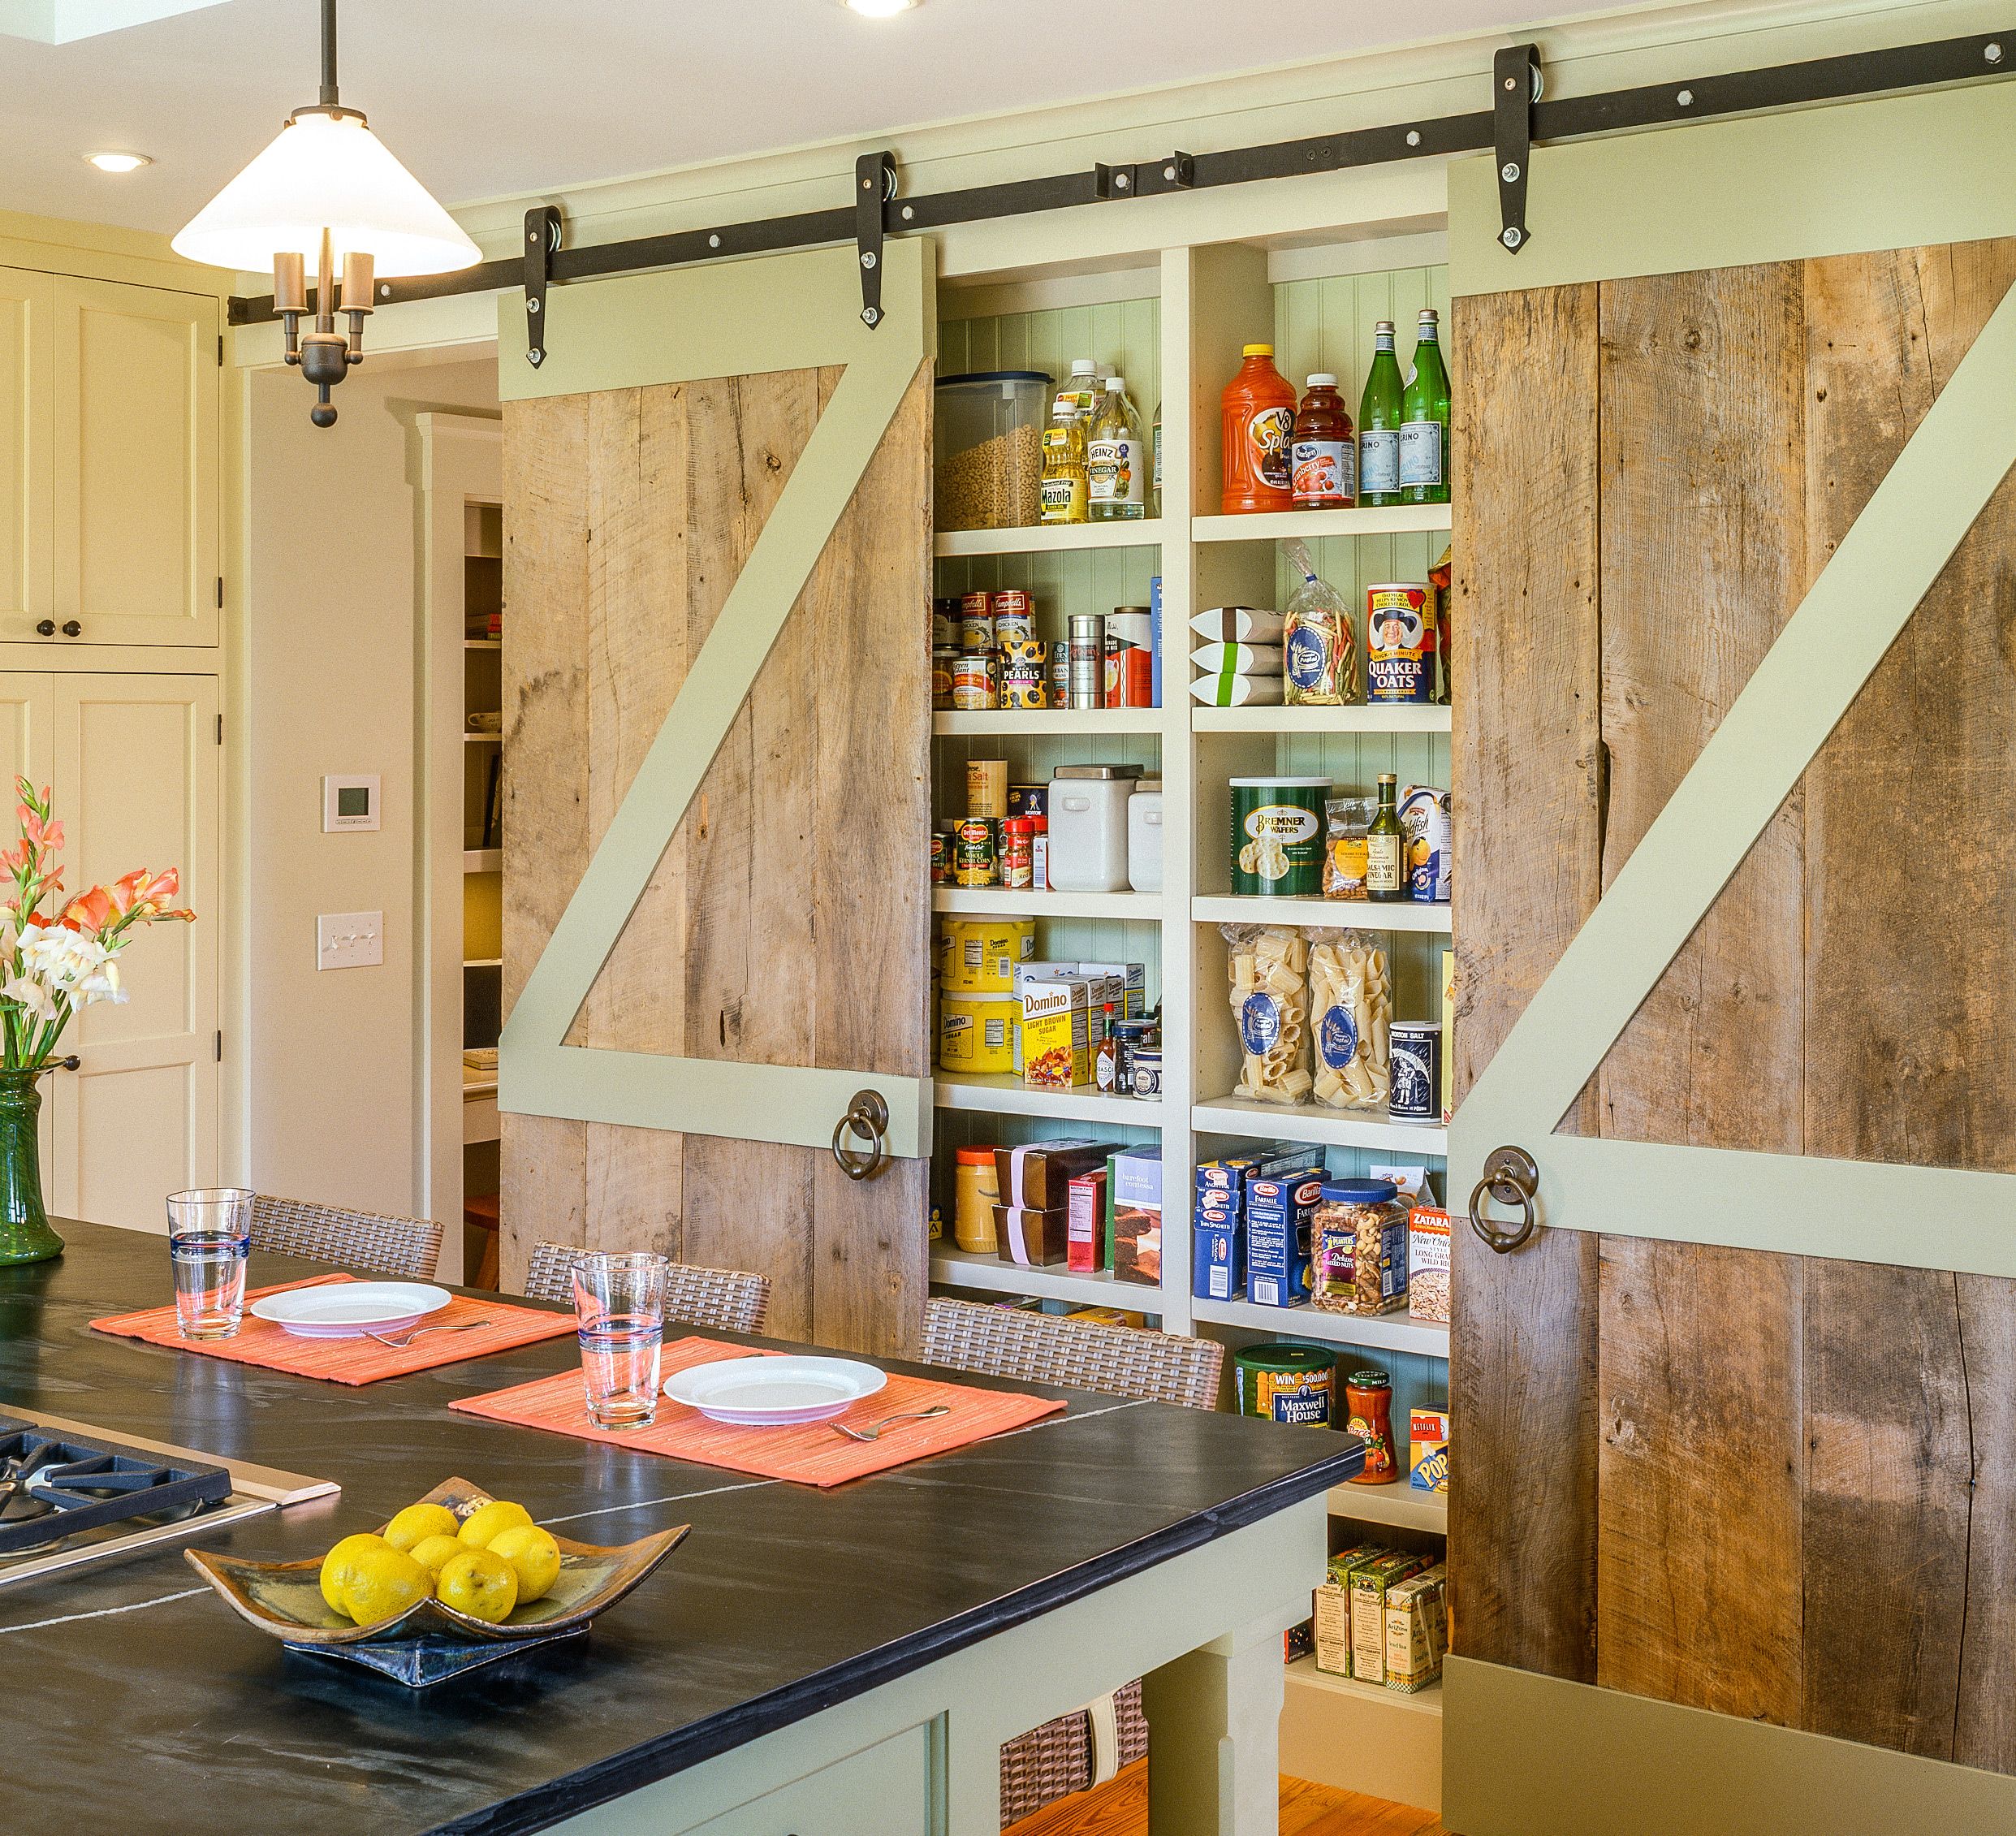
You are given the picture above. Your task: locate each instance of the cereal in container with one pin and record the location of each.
(1267, 966)
(1350, 1019)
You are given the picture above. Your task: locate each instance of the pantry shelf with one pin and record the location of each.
(1379, 1331)
(482, 860)
(1362, 1737)
(1052, 538)
(954, 1267)
(1007, 902)
(1320, 719)
(1042, 723)
(1360, 915)
(1303, 1674)
(1363, 1128)
(1398, 519)
(1010, 1096)
(1401, 1504)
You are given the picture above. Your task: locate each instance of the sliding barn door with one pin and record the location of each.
(1738, 1424)
(716, 812)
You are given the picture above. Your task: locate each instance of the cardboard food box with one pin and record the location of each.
(1086, 1216)
(1428, 1449)
(1032, 1236)
(1277, 1213)
(1038, 1174)
(1124, 984)
(1428, 1264)
(1330, 1615)
(1056, 1034)
(1414, 1630)
(1135, 1186)
(1370, 1583)
(1217, 1267)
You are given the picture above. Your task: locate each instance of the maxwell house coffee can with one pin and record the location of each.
(1399, 644)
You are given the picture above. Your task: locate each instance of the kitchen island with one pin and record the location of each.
(839, 1663)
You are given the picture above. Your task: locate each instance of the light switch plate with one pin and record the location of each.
(349, 939)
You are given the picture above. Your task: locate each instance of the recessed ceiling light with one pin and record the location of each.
(118, 161)
(879, 9)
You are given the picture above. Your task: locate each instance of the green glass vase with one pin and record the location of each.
(24, 1233)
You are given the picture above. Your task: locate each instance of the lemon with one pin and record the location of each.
(382, 1584)
(490, 1520)
(340, 1564)
(477, 1582)
(432, 1552)
(418, 1522)
(534, 1557)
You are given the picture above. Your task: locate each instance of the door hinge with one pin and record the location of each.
(220, 350)
(220, 1048)
(875, 185)
(220, 593)
(220, 729)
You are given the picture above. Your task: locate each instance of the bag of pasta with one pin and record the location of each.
(1267, 966)
(1350, 1019)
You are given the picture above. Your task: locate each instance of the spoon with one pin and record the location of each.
(876, 1431)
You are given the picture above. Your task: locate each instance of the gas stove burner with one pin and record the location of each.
(53, 1486)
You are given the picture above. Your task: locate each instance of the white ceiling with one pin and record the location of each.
(487, 98)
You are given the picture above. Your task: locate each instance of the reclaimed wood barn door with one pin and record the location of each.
(715, 852)
(1777, 1486)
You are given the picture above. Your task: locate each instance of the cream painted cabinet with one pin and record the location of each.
(26, 372)
(132, 466)
(133, 761)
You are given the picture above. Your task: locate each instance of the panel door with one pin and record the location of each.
(27, 345)
(28, 750)
(137, 783)
(135, 463)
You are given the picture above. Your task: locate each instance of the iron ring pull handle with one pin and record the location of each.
(1511, 1177)
(868, 1117)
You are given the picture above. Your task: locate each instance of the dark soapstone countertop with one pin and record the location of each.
(137, 1701)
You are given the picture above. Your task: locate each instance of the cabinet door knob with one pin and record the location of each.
(71, 628)
(45, 628)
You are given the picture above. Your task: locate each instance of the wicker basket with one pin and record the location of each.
(1057, 1759)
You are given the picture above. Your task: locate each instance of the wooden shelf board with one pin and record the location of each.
(1377, 1332)
(1049, 539)
(1005, 901)
(1338, 1128)
(1303, 1674)
(1038, 722)
(1360, 914)
(482, 962)
(483, 739)
(1399, 519)
(482, 860)
(952, 1267)
(482, 643)
(1399, 1505)
(1407, 719)
(1010, 1096)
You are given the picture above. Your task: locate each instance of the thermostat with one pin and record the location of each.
(349, 803)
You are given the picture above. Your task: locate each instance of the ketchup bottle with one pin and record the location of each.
(1259, 425)
(1324, 457)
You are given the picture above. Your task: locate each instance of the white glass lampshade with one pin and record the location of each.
(327, 172)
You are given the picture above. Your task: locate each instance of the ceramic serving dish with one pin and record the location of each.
(430, 1641)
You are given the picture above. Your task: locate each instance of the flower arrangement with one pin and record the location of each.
(50, 967)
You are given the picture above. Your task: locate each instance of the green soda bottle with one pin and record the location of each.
(1379, 417)
(1424, 421)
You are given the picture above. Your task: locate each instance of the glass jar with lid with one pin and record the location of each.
(1358, 1244)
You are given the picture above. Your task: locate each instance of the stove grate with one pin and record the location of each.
(53, 1485)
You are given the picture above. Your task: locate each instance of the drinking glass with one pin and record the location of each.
(209, 1235)
(619, 1303)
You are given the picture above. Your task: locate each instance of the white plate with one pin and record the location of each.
(349, 1310)
(773, 1391)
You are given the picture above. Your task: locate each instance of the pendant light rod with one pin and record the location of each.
(328, 54)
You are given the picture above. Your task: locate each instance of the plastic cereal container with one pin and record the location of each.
(990, 446)
(976, 1033)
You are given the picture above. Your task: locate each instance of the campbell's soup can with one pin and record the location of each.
(1399, 644)
(1014, 618)
(1415, 1047)
(976, 622)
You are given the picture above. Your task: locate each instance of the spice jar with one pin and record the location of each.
(1358, 1247)
(978, 1193)
(1368, 1403)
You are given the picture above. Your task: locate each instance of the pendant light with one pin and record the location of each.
(325, 200)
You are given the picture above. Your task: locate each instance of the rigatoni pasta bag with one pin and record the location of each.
(1350, 1019)
(1267, 968)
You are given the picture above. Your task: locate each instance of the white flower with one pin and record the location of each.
(102, 985)
(26, 992)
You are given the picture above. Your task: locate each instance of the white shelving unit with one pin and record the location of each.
(1359, 914)
(1399, 1505)
(955, 1268)
(998, 900)
(1397, 519)
(1289, 721)
(1037, 723)
(1010, 1096)
(1378, 1331)
(1055, 538)
(1330, 1128)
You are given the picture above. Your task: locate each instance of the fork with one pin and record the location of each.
(874, 1432)
(405, 1339)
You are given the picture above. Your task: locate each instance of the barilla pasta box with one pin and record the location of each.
(1428, 1449)
(1370, 1583)
(1414, 1630)
(1330, 1609)
(1277, 1258)
(1217, 1267)
(1056, 1039)
(1275, 1160)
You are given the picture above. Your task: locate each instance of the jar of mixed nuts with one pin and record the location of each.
(1358, 1245)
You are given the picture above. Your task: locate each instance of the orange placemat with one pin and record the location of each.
(809, 1452)
(353, 1361)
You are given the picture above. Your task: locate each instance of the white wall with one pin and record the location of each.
(331, 659)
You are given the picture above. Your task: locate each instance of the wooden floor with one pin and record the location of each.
(1121, 1809)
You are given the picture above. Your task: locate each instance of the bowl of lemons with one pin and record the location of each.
(456, 1579)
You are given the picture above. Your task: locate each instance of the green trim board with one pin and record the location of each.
(632, 333)
(1806, 1205)
(1899, 172)
(1610, 1762)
